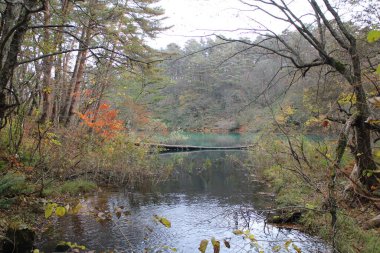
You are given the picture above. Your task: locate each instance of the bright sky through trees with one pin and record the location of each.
(196, 18)
(232, 18)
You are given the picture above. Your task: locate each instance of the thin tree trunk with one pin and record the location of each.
(75, 97)
(66, 91)
(59, 65)
(70, 89)
(104, 82)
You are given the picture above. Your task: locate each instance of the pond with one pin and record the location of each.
(210, 194)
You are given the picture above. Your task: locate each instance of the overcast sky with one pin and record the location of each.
(196, 18)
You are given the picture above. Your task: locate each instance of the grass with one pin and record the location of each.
(72, 188)
(78, 186)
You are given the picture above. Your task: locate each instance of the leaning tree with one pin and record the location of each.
(333, 44)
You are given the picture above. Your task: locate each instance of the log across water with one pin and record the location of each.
(183, 148)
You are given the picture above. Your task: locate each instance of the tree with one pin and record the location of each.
(15, 16)
(40, 40)
(333, 45)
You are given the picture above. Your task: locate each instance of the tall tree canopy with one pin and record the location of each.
(53, 51)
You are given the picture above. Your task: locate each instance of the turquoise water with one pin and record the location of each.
(208, 139)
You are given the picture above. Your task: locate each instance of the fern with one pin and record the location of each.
(12, 184)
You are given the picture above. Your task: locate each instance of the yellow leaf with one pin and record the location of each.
(287, 243)
(276, 248)
(237, 232)
(296, 248)
(216, 245)
(48, 210)
(60, 211)
(163, 221)
(77, 208)
(251, 237)
(378, 70)
(373, 36)
(203, 246)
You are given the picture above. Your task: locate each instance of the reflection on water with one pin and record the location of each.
(210, 140)
(210, 194)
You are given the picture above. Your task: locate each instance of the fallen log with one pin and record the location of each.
(183, 148)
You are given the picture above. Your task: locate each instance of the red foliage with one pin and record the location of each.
(104, 120)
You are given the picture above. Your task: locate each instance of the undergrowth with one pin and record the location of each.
(40, 163)
(304, 184)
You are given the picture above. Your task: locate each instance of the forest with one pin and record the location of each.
(111, 144)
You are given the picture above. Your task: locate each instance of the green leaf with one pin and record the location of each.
(48, 210)
(216, 245)
(203, 246)
(373, 36)
(60, 211)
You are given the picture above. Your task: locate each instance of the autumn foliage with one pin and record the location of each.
(103, 120)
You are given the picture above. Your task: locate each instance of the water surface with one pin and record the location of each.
(210, 194)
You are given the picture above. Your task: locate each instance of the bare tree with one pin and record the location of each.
(333, 44)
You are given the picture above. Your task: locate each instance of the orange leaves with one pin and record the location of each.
(103, 121)
(325, 123)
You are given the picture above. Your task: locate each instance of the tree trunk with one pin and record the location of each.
(47, 89)
(70, 90)
(74, 105)
(365, 165)
(60, 65)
